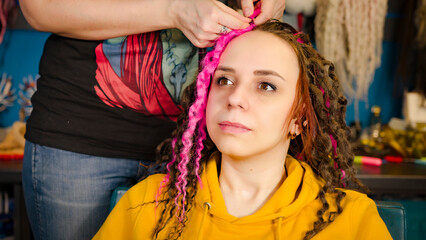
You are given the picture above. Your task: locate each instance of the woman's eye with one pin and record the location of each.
(267, 86)
(222, 81)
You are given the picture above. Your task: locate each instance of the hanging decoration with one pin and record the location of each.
(7, 94)
(26, 91)
(350, 34)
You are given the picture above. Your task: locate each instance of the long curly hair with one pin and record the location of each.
(319, 108)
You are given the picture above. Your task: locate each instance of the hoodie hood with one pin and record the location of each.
(299, 189)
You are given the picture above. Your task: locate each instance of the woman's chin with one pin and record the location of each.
(234, 152)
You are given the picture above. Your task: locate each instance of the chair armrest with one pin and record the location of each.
(393, 214)
(116, 195)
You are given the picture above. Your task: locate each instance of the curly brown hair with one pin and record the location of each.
(319, 108)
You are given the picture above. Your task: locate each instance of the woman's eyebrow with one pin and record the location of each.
(268, 72)
(257, 72)
(226, 69)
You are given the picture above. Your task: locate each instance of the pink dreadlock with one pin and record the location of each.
(195, 132)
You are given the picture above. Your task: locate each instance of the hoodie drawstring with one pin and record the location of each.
(207, 207)
(280, 221)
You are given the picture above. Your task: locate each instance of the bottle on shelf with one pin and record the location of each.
(375, 129)
(375, 124)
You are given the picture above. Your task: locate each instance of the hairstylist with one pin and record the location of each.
(104, 101)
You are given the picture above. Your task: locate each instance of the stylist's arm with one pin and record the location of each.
(200, 20)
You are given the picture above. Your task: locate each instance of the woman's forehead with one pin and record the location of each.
(258, 42)
(264, 50)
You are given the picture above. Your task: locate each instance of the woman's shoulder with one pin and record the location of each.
(355, 199)
(352, 203)
(358, 206)
(146, 190)
(363, 216)
(355, 196)
(150, 180)
(128, 219)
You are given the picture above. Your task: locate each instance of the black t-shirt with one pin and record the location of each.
(112, 98)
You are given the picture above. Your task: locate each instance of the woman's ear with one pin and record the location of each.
(295, 129)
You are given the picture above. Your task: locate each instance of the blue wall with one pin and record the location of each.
(20, 53)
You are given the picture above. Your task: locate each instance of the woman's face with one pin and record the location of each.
(251, 95)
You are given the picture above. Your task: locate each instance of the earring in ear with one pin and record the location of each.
(293, 136)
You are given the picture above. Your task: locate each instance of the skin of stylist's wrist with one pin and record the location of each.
(172, 10)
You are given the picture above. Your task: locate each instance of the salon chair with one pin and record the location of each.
(392, 213)
(116, 195)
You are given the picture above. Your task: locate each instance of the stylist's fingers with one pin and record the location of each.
(201, 42)
(247, 7)
(203, 20)
(230, 18)
(270, 9)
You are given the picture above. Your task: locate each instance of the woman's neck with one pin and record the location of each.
(247, 183)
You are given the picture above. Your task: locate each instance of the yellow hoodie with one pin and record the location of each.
(288, 214)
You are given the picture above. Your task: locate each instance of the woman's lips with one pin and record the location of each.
(233, 127)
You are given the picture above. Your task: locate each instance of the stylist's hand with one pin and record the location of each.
(269, 9)
(202, 21)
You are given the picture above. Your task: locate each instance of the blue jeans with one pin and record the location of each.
(67, 194)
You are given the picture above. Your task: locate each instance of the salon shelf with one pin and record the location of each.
(394, 178)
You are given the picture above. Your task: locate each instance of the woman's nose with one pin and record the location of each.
(238, 98)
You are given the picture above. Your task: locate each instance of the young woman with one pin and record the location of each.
(261, 153)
